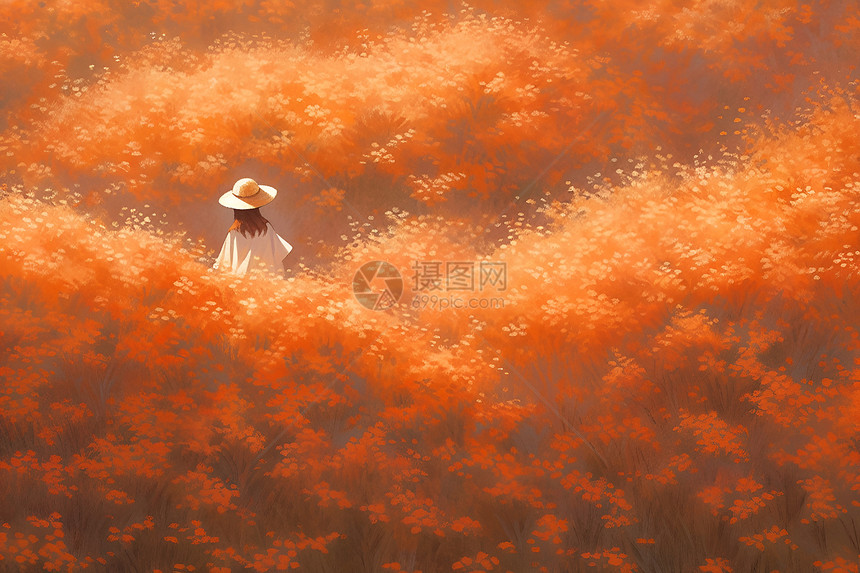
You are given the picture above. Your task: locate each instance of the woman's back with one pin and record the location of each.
(241, 253)
(251, 241)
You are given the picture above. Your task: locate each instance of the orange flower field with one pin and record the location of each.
(662, 376)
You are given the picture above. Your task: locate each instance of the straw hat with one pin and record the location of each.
(247, 194)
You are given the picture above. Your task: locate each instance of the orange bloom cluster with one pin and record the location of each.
(497, 429)
(440, 105)
(671, 384)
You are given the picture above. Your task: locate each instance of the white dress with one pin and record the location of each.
(239, 253)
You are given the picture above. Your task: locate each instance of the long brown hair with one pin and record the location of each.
(249, 221)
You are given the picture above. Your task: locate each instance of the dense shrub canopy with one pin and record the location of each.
(672, 382)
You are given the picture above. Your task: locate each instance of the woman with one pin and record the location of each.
(251, 241)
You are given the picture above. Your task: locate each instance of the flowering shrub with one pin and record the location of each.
(438, 110)
(672, 384)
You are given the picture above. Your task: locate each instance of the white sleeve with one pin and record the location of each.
(282, 247)
(224, 258)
